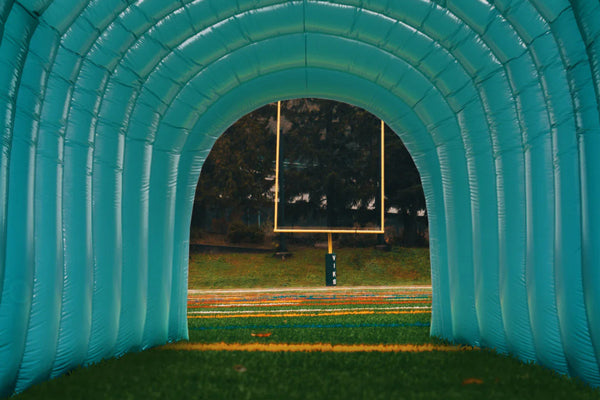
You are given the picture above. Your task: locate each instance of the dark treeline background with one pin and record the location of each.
(331, 169)
(331, 166)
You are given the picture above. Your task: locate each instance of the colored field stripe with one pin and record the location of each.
(311, 289)
(319, 314)
(334, 300)
(307, 310)
(307, 298)
(313, 296)
(304, 303)
(308, 326)
(321, 294)
(271, 302)
(315, 347)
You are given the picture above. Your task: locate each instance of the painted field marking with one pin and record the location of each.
(303, 302)
(316, 347)
(299, 310)
(309, 326)
(295, 300)
(300, 289)
(319, 314)
(255, 304)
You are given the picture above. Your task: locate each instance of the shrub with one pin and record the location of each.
(238, 232)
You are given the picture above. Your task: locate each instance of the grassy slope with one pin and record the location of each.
(306, 268)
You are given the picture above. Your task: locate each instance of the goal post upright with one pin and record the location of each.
(330, 258)
(277, 148)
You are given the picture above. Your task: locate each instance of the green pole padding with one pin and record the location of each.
(330, 269)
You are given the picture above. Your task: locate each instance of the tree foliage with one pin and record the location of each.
(331, 162)
(236, 177)
(403, 189)
(331, 168)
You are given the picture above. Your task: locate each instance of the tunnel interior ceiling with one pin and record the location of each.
(110, 108)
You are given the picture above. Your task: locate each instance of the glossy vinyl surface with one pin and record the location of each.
(110, 107)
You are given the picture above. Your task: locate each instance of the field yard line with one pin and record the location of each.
(304, 302)
(315, 347)
(322, 314)
(234, 304)
(310, 289)
(310, 310)
(310, 326)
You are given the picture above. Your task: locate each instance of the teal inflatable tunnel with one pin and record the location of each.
(108, 109)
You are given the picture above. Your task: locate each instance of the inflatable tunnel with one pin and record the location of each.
(108, 109)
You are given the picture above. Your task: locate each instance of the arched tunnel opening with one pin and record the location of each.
(110, 109)
(234, 201)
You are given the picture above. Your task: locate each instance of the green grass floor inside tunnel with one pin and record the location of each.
(352, 318)
(159, 374)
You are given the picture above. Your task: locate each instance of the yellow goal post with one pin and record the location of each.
(358, 230)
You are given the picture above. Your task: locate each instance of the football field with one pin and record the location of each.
(312, 343)
(311, 320)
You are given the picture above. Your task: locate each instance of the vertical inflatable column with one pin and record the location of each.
(579, 97)
(17, 173)
(485, 247)
(540, 260)
(441, 313)
(163, 186)
(426, 160)
(587, 15)
(540, 207)
(5, 135)
(42, 335)
(485, 259)
(460, 252)
(476, 136)
(420, 144)
(109, 102)
(478, 60)
(107, 226)
(134, 298)
(589, 147)
(431, 180)
(512, 236)
(511, 226)
(455, 183)
(191, 165)
(569, 284)
(76, 314)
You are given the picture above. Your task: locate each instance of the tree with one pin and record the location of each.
(331, 168)
(328, 162)
(236, 177)
(403, 188)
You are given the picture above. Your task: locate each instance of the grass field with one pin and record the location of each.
(320, 343)
(340, 318)
(229, 375)
(365, 316)
(355, 267)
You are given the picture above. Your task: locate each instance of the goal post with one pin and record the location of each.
(278, 228)
(330, 257)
